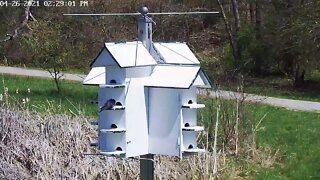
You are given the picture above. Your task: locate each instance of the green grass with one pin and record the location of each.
(75, 97)
(280, 87)
(296, 135)
(292, 136)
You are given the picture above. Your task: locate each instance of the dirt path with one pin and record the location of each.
(286, 103)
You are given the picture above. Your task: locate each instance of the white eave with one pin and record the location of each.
(162, 76)
(96, 76)
(176, 53)
(129, 54)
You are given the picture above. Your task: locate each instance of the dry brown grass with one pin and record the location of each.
(38, 146)
(49, 146)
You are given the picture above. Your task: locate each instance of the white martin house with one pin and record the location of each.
(147, 96)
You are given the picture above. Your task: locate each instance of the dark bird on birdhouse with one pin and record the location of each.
(108, 105)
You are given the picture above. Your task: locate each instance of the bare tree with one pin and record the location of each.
(258, 19)
(251, 9)
(229, 32)
(235, 9)
(27, 16)
(258, 59)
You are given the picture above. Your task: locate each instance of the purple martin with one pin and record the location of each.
(108, 105)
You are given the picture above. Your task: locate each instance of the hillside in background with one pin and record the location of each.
(84, 36)
(251, 38)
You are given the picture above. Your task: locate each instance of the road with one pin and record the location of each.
(278, 102)
(38, 73)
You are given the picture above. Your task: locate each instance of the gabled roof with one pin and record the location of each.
(176, 53)
(202, 80)
(173, 76)
(129, 54)
(178, 67)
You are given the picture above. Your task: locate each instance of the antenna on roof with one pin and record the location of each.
(143, 11)
(144, 23)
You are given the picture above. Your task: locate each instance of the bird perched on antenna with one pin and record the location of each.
(108, 105)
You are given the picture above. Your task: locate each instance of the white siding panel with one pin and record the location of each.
(136, 119)
(164, 121)
(115, 73)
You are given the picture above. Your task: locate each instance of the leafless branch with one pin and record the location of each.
(229, 31)
(27, 16)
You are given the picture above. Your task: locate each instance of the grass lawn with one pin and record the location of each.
(43, 96)
(292, 136)
(295, 134)
(280, 87)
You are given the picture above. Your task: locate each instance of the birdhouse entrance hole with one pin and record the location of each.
(113, 81)
(118, 149)
(113, 126)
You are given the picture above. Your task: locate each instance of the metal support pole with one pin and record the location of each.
(147, 167)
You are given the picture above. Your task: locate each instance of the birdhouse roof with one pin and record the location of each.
(174, 76)
(176, 53)
(178, 68)
(96, 76)
(129, 54)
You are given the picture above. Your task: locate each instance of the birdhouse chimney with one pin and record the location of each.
(145, 28)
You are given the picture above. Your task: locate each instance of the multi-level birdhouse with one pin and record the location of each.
(147, 99)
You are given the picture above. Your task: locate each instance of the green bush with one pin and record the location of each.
(256, 55)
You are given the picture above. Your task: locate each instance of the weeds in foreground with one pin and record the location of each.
(51, 146)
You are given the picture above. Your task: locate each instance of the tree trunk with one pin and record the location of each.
(251, 9)
(56, 80)
(299, 77)
(55, 73)
(289, 3)
(258, 59)
(236, 15)
(229, 32)
(258, 19)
